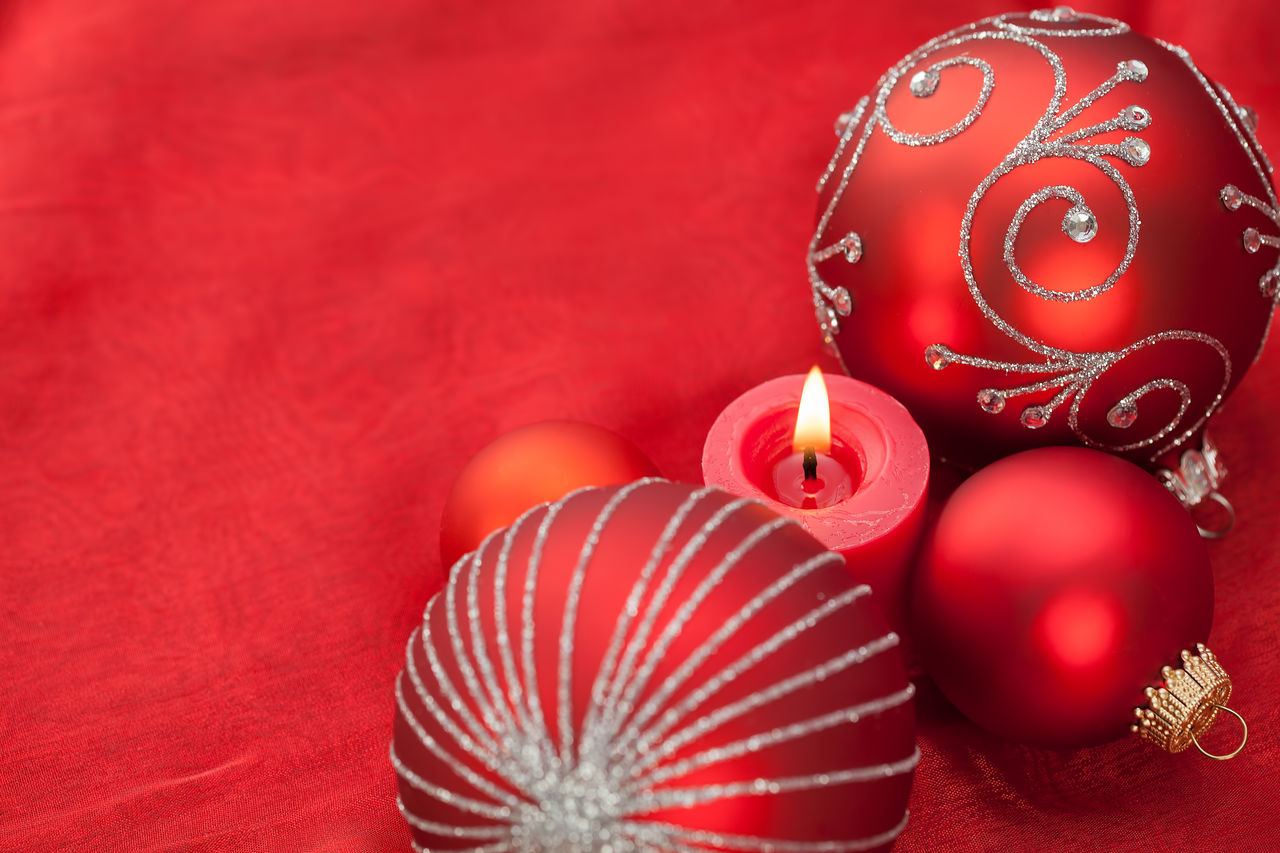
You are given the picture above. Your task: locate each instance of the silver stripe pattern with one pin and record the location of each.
(593, 786)
(1065, 376)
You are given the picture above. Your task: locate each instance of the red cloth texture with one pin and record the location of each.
(271, 272)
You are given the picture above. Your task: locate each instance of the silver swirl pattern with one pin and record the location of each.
(1068, 374)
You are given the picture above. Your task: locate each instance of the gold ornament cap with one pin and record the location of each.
(1186, 704)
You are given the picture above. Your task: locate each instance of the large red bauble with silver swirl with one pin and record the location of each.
(1044, 229)
(654, 667)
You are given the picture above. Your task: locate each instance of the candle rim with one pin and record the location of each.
(720, 454)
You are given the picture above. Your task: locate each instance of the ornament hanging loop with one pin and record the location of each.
(1244, 737)
(1220, 530)
(1186, 704)
(1195, 480)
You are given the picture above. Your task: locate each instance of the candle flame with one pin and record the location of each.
(813, 421)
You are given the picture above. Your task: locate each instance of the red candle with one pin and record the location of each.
(862, 492)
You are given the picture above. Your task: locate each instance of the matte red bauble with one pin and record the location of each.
(531, 465)
(1046, 229)
(1056, 585)
(653, 667)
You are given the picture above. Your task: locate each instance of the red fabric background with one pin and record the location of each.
(271, 272)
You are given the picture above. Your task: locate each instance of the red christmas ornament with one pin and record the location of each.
(525, 467)
(1047, 229)
(1057, 583)
(653, 667)
(874, 451)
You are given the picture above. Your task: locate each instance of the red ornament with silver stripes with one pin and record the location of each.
(653, 667)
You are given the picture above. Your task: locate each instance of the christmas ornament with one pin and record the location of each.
(862, 440)
(1043, 229)
(525, 467)
(1056, 585)
(653, 667)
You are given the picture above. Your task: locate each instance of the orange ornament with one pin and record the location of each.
(531, 465)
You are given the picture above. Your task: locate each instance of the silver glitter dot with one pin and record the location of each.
(843, 302)
(1123, 414)
(1064, 13)
(829, 324)
(1134, 69)
(991, 400)
(1252, 240)
(844, 120)
(1248, 117)
(827, 321)
(851, 246)
(1231, 197)
(925, 83)
(1034, 417)
(1080, 225)
(937, 356)
(1269, 283)
(1136, 117)
(1136, 151)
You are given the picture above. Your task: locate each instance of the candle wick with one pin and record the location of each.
(810, 463)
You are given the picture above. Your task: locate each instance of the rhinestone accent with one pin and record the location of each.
(1080, 225)
(855, 116)
(1231, 196)
(1136, 117)
(1252, 240)
(925, 83)
(1058, 14)
(828, 324)
(937, 356)
(1087, 26)
(1234, 198)
(1034, 417)
(1248, 117)
(844, 121)
(991, 401)
(1077, 230)
(1134, 69)
(843, 301)
(851, 246)
(1269, 283)
(1123, 414)
(1136, 151)
(926, 80)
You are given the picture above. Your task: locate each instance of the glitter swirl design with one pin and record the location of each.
(536, 781)
(1253, 240)
(923, 85)
(1070, 24)
(1243, 124)
(1067, 376)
